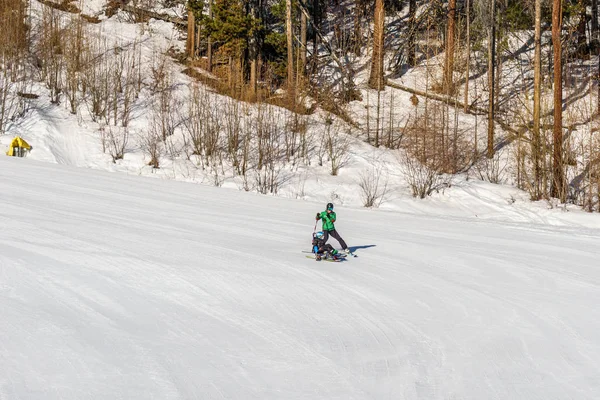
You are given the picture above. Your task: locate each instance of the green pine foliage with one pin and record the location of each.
(231, 26)
(517, 16)
(275, 45)
(197, 7)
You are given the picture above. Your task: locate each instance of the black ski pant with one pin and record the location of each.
(337, 237)
(326, 248)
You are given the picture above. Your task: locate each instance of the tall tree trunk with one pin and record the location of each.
(537, 88)
(378, 118)
(230, 79)
(376, 80)
(449, 64)
(491, 78)
(252, 84)
(558, 181)
(357, 34)
(594, 25)
(582, 42)
(241, 67)
(191, 35)
(316, 20)
(253, 48)
(290, 48)
(253, 76)
(209, 55)
(468, 44)
(598, 78)
(595, 45)
(303, 36)
(412, 32)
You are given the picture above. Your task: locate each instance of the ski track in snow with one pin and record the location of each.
(129, 288)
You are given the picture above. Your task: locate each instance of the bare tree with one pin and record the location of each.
(244, 160)
(114, 141)
(191, 34)
(412, 32)
(75, 50)
(209, 43)
(595, 46)
(194, 123)
(166, 104)
(7, 95)
(213, 133)
(96, 79)
(537, 88)
(468, 54)
(594, 25)
(151, 142)
(336, 145)
(267, 174)
(203, 128)
(12, 56)
(234, 130)
(376, 78)
(558, 181)
(421, 179)
(426, 138)
(491, 169)
(50, 48)
(132, 83)
(491, 77)
(295, 138)
(373, 184)
(303, 41)
(290, 49)
(450, 32)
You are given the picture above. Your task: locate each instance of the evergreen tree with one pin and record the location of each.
(229, 26)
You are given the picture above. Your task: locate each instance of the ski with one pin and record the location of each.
(327, 259)
(339, 254)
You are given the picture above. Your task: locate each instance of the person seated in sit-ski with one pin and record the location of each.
(322, 249)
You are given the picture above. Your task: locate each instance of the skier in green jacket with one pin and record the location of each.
(327, 217)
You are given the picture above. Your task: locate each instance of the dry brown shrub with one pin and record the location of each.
(440, 147)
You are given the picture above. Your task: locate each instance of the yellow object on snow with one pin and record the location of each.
(18, 146)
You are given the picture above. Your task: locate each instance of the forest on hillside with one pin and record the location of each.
(527, 68)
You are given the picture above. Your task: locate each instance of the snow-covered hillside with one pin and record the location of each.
(121, 287)
(116, 286)
(80, 139)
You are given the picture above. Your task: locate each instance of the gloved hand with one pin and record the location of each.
(318, 216)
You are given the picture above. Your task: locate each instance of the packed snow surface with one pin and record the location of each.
(122, 287)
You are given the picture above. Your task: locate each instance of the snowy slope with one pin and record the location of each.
(121, 287)
(57, 136)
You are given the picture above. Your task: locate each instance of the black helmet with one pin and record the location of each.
(330, 206)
